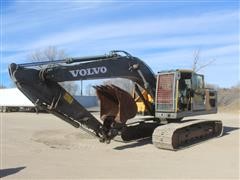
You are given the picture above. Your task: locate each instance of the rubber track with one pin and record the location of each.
(164, 136)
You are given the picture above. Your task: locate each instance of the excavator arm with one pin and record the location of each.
(39, 82)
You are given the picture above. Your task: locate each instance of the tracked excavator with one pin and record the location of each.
(175, 94)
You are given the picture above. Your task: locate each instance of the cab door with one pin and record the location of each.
(198, 99)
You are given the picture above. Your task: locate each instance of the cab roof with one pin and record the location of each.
(176, 70)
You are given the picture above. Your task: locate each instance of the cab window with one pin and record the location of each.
(198, 82)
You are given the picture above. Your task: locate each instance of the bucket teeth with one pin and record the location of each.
(115, 103)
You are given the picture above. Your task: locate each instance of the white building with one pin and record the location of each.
(14, 100)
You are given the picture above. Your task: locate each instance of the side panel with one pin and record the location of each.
(165, 93)
(211, 100)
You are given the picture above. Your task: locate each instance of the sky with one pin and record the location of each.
(164, 34)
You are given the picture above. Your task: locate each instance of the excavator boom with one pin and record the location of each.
(39, 82)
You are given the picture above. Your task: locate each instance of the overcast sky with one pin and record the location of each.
(165, 35)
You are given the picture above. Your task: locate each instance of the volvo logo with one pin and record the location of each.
(88, 71)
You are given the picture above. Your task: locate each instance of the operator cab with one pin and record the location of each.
(182, 93)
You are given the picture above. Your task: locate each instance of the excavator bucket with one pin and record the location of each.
(115, 104)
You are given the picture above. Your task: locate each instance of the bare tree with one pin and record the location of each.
(196, 67)
(124, 84)
(195, 60)
(89, 90)
(51, 53)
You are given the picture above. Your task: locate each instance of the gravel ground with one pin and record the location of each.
(41, 146)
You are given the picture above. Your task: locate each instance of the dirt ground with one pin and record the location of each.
(42, 146)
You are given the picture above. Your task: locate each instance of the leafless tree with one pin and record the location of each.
(51, 53)
(195, 60)
(196, 67)
(89, 90)
(124, 84)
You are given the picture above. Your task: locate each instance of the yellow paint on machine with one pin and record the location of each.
(67, 97)
(176, 101)
(140, 105)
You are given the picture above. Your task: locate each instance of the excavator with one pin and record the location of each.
(167, 97)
